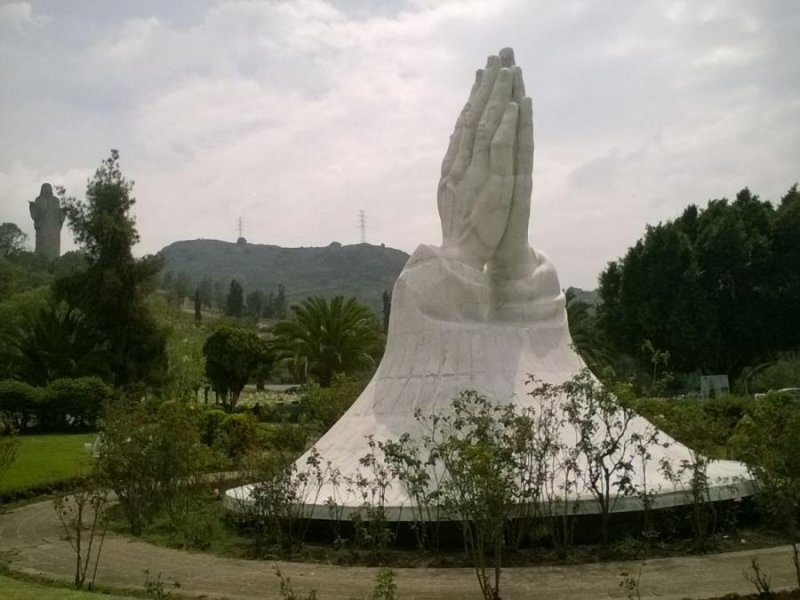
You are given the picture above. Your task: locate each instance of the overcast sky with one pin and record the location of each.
(295, 115)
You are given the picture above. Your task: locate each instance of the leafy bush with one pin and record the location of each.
(72, 403)
(65, 404)
(326, 405)
(150, 459)
(9, 446)
(784, 373)
(767, 440)
(704, 425)
(211, 426)
(285, 437)
(279, 412)
(18, 402)
(239, 435)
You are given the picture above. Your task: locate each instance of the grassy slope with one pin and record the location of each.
(14, 589)
(46, 458)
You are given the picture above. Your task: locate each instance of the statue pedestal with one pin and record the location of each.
(430, 360)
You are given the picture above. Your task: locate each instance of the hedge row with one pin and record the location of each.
(64, 405)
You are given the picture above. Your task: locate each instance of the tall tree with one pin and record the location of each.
(255, 304)
(387, 310)
(111, 292)
(198, 307)
(206, 292)
(233, 355)
(234, 303)
(585, 335)
(181, 287)
(280, 308)
(710, 287)
(327, 337)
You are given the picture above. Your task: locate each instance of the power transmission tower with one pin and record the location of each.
(240, 240)
(362, 225)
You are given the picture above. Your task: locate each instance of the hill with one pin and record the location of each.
(360, 270)
(590, 297)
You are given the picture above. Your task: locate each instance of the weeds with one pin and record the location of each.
(759, 579)
(157, 589)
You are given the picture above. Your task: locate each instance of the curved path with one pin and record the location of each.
(30, 537)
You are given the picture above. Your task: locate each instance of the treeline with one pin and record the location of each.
(714, 291)
(229, 298)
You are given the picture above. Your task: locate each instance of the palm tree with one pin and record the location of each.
(324, 338)
(55, 342)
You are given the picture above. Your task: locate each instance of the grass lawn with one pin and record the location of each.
(43, 459)
(14, 589)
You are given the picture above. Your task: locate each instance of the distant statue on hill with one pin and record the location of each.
(48, 218)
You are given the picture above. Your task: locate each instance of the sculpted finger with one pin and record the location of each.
(492, 115)
(455, 138)
(507, 57)
(472, 117)
(524, 161)
(518, 86)
(501, 151)
(512, 258)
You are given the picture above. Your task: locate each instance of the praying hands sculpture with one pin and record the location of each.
(485, 269)
(483, 312)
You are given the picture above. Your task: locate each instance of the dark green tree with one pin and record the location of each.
(206, 290)
(111, 292)
(387, 310)
(12, 239)
(218, 295)
(180, 287)
(269, 306)
(327, 337)
(255, 304)
(198, 308)
(712, 287)
(280, 306)
(234, 355)
(234, 303)
(586, 336)
(55, 342)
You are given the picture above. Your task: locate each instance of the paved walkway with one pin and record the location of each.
(31, 536)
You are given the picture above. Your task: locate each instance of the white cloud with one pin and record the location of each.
(19, 16)
(296, 115)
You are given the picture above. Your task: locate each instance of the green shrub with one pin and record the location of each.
(18, 403)
(285, 437)
(325, 405)
(703, 425)
(150, 460)
(211, 426)
(280, 412)
(72, 403)
(784, 373)
(239, 435)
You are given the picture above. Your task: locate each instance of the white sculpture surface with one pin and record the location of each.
(482, 312)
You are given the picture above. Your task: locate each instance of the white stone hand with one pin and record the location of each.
(514, 258)
(478, 180)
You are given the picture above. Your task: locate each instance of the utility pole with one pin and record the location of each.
(362, 225)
